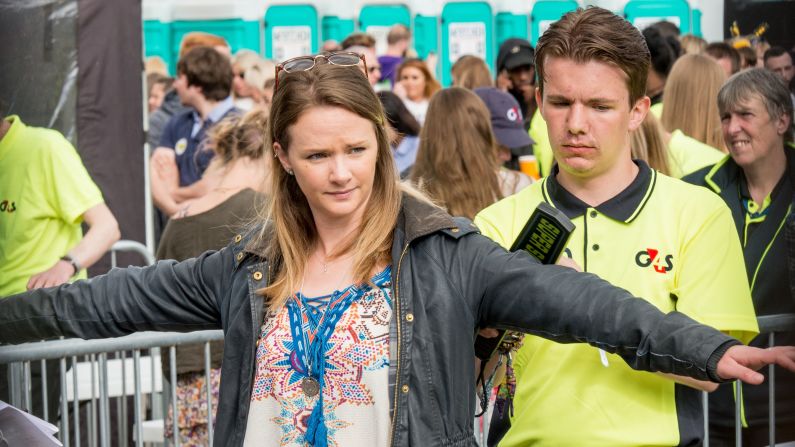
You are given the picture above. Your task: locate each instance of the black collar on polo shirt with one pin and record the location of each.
(624, 206)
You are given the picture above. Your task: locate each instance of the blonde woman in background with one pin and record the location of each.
(692, 44)
(471, 72)
(691, 99)
(674, 154)
(457, 162)
(650, 144)
(251, 72)
(690, 113)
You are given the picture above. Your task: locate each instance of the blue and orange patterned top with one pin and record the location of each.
(355, 378)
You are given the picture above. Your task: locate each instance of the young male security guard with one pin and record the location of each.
(658, 237)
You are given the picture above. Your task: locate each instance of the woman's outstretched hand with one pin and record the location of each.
(741, 362)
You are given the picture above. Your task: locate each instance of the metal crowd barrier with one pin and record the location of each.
(767, 324)
(23, 355)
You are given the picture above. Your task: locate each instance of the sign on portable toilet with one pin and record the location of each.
(545, 13)
(290, 31)
(643, 13)
(377, 20)
(467, 29)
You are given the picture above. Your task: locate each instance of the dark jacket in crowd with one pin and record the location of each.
(447, 279)
(159, 118)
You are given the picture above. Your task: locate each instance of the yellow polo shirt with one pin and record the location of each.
(542, 149)
(44, 191)
(671, 243)
(687, 155)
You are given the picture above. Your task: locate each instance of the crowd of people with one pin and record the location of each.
(306, 207)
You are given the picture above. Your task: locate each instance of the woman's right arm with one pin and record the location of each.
(167, 296)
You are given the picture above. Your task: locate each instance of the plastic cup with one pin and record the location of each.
(529, 165)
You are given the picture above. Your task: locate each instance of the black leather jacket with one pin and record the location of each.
(447, 281)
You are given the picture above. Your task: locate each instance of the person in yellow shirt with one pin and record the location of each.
(656, 236)
(45, 194)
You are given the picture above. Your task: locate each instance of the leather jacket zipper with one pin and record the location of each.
(399, 337)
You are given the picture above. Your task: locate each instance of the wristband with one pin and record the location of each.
(72, 262)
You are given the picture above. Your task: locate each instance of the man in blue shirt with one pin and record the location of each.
(204, 81)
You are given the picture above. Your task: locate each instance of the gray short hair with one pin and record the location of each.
(768, 86)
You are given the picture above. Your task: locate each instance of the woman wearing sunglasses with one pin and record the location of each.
(350, 308)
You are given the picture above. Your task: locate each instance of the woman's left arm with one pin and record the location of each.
(513, 291)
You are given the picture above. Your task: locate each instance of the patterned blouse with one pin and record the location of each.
(355, 379)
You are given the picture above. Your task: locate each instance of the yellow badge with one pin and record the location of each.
(181, 145)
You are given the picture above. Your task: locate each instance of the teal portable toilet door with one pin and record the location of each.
(376, 20)
(157, 42)
(290, 31)
(545, 13)
(643, 13)
(335, 28)
(426, 35)
(467, 29)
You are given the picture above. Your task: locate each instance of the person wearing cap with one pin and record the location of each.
(507, 122)
(516, 74)
(658, 237)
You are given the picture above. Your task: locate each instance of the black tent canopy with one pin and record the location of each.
(76, 66)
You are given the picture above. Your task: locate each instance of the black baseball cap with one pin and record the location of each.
(515, 53)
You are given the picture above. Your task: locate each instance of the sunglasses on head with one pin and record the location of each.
(306, 63)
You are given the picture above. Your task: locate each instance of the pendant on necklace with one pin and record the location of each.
(310, 386)
(325, 268)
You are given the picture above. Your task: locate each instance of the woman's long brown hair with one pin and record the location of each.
(457, 159)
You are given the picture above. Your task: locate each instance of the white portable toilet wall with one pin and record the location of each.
(617, 6)
(707, 17)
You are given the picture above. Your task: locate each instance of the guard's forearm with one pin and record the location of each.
(103, 231)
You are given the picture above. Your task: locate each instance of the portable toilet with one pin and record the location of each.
(377, 19)
(643, 13)
(157, 31)
(336, 28)
(425, 33)
(512, 20)
(545, 13)
(467, 29)
(290, 31)
(237, 22)
(337, 20)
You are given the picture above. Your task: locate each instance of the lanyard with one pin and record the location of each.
(310, 348)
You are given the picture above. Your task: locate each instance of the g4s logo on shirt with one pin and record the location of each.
(652, 257)
(8, 206)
